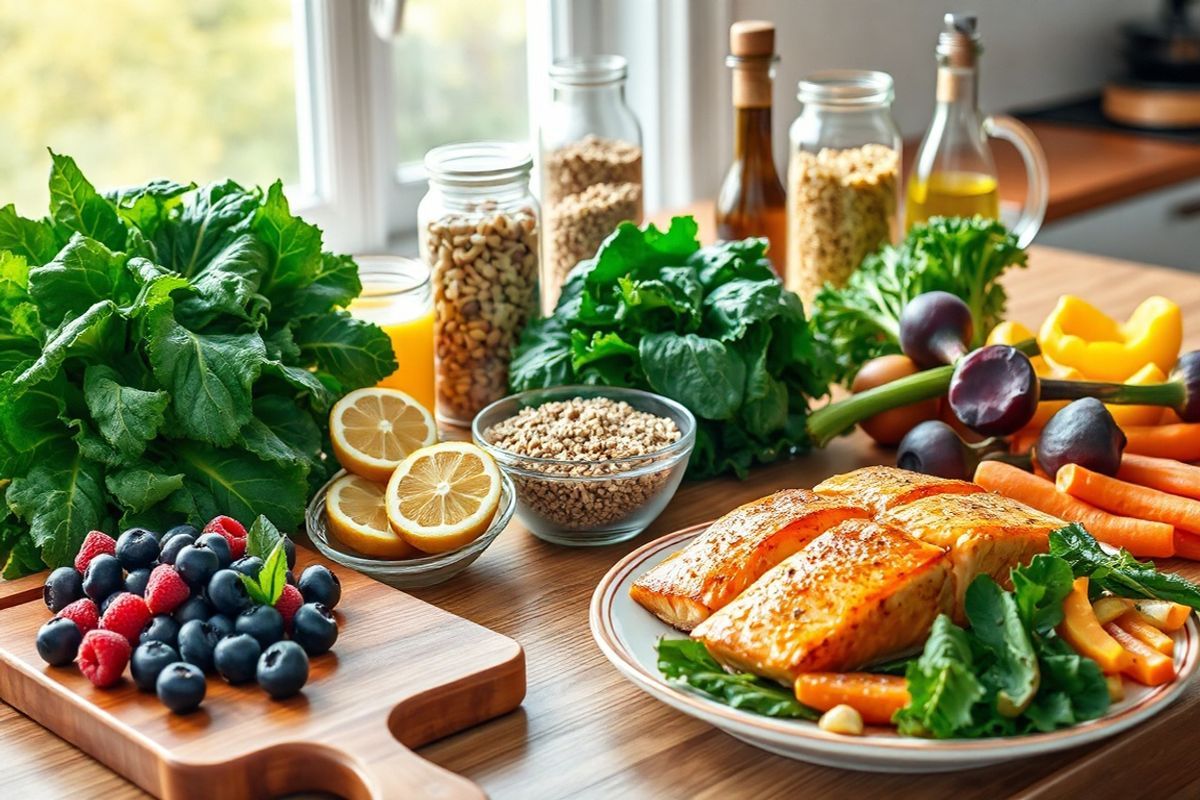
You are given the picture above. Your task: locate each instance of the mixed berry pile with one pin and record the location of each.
(177, 607)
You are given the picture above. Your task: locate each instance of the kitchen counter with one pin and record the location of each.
(584, 731)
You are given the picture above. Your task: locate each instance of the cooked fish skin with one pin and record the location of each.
(985, 534)
(882, 488)
(734, 552)
(860, 592)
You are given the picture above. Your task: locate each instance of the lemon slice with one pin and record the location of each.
(443, 496)
(373, 430)
(358, 518)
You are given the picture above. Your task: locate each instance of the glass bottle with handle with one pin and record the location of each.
(953, 173)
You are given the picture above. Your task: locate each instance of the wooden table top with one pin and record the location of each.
(584, 731)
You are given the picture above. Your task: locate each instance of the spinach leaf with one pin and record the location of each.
(1012, 673)
(687, 662)
(1119, 573)
(353, 352)
(77, 208)
(140, 488)
(60, 499)
(128, 418)
(942, 685)
(32, 240)
(703, 374)
(83, 273)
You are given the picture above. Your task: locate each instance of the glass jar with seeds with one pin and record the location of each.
(479, 233)
(591, 164)
(843, 177)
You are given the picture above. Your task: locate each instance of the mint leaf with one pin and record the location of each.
(354, 352)
(262, 538)
(76, 207)
(128, 418)
(273, 575)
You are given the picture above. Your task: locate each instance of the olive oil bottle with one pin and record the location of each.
(953, 173)
(752, 200)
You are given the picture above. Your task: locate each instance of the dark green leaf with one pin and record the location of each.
(83, 333)
(686, 662)
(140, 488)
(733, 307)
(631, 252)
(77, 208)
(701, 373)
(262, 538)
(209, 219)
(128, 418)
(996, 624)
(293, 244)
(354, 352)
(1040, 588)
(1119, 573)
(227, 284)
(83, 273)
(61, 499)
(543, 359)
(146, 207)
(235, 482)
(33, 240)
(942, 685)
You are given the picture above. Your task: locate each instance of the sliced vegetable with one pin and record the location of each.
(1139, 537)
(1083, 631)
(1137, 626)
(1119, 573)
(1116, 687)
(875, 697)
(1121, 497)
(1164, 474)
(1180, 441)
(1077, 334)
(1163, 614)
(1109, 608)
(1145, 665)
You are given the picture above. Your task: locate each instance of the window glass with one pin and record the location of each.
(459, 74)
(138, 89)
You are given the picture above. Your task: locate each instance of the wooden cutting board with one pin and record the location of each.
(401, 670)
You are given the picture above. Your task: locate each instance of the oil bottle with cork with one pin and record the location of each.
(953, 173)
(752, 200)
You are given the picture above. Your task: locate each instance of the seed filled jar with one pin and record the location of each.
(479, 229)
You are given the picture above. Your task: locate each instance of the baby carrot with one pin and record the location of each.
(1129, 499)
(1164, 474)
(1180, 441)
(1143, 538)
(1146, 665)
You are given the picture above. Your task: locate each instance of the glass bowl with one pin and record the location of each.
(612, 506)
(406, 573)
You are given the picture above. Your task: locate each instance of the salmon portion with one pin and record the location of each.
(734, 552)
(884, 488)
(985, 534)
(860, 592)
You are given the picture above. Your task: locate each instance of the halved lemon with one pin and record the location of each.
(443, 496)
(373, 430)
(358, 518)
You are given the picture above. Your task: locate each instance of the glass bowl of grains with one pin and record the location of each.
(592, 465)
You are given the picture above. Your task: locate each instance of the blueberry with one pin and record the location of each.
(319, 585)
(219, 545)
(289, 550)
(160, 628)
(249, 566)
(171, 547)
(263, 623)
(222, 624)
(196, 642)
(314, 628)
(180, 687)
(194, 607)
(102, 577)
(196, 564)
(135, 582)
(149, 659)
(178, 530)
(108, 601)
(137, 548)
(63, 587)
(289, 578)
(227, 593)
(236, 657)
(282, 669)
(58, 641)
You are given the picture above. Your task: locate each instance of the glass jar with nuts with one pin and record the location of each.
(479, 231)
(843, 177)
(591, 164)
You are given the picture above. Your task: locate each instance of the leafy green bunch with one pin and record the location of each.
(711, 327)
(962, 255)
(167, 352)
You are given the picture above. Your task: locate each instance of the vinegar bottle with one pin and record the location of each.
(752, 201)
(953, 173)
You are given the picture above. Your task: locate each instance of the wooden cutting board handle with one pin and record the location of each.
(390, 770)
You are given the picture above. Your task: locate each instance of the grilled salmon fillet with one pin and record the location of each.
(860, 592)
(734, 552)
(985, 534)
(883, 488)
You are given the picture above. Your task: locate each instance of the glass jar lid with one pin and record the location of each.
(589, 70)
(846, 88)
(478, 163)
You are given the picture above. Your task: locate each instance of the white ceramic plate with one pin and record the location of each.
(627, 634)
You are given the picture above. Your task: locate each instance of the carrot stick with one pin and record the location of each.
(875, 697)
(1163, 614)
(1129, 499)
(1083, 631)
(1132, 623)
(1138, 536)
(1164, 474)
(1146, 665)
(1187, 545)
(1179, 441)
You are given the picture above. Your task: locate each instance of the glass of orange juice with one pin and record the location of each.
(396, 296)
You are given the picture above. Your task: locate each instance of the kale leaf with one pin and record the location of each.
(688, 663)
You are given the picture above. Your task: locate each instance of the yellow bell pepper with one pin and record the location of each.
(1011, 332)
(1076, 334)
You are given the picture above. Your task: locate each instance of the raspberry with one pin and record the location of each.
(165, 590)
(83, 613)
(237, 547)
(288, 602)
(228, 527)
(94, 544)
(103, 656)
(126, 615)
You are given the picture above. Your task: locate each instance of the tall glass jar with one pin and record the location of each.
(479, 227)
(591, 163)
(396, 296)
(843, 177)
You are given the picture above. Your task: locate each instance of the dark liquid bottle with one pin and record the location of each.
(752, 201)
